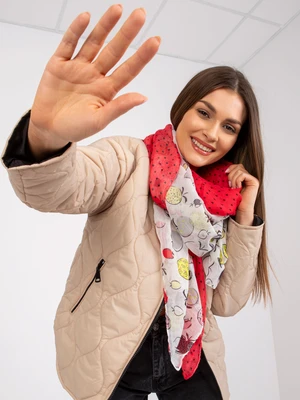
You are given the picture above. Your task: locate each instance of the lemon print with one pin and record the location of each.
(199, 220)
(175, 285)
(185, 226)
(174, 195)
(223, 255)
(192, 297)
(183, 268)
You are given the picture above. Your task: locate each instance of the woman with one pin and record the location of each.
(160, 253)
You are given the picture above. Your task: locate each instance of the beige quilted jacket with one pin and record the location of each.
(106, 310)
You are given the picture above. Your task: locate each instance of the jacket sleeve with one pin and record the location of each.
(17, 151)
(80, 180)
(237, 280)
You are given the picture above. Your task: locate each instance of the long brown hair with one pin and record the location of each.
(248, 149)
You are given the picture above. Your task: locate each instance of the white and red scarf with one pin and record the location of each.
(190, 215)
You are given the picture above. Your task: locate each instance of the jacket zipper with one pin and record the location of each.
(96, 278)
(141, 344)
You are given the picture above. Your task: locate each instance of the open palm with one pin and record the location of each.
(75, 98)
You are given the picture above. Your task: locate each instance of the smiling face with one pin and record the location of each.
(210, 128)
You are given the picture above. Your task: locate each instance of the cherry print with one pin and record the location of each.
(212, 186)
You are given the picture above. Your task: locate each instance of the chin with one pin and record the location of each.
(199, 163)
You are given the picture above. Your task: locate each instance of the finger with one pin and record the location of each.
(118, 107)
(232, 172)
(237, 179)
(233, 167)
(115, 49)
(133, 66)
(232, 177)
(96, 38)
(70, 39)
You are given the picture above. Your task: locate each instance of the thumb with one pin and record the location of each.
(118, 107)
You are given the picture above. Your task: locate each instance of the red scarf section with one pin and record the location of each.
(212, 187)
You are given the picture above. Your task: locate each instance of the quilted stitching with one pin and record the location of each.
(107, 181)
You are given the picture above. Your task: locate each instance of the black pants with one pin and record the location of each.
(151, 371)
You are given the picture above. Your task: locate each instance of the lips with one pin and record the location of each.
(202, 148)
(204, 144)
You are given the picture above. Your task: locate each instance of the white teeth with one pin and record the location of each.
(201, 146)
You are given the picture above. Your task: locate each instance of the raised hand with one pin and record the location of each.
(75, 98)
(239, 177)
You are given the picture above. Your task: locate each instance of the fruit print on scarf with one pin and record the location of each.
(185, 344)
(168, 253)
(175, 195)
(186, 226)
(190, 214)
(175, 285)
(183, 268)
(192, 297)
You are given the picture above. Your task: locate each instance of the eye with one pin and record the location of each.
(229, 128)
(204, 113)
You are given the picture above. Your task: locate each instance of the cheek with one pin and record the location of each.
(182, 134)
(194, 124)
(189, 122)
(229, 142)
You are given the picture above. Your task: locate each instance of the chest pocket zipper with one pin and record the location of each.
(96, 278)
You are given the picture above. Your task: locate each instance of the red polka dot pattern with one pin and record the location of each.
(212, 186)
(192, 359)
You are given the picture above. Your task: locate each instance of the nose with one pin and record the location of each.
(212, 132)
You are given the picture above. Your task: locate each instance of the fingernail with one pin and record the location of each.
(227, 170)
(143, 10)
(229, 183)
(158, 38)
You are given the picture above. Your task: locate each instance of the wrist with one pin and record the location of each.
(245, 218)
(42, 144)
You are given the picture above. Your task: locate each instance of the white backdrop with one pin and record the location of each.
(37, 248)
(275, 72)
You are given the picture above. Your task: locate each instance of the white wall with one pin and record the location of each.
(275, 75)
(37, 248)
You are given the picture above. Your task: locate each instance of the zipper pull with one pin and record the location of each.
(97, 275)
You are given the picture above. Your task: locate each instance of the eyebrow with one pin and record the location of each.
(212, 108)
